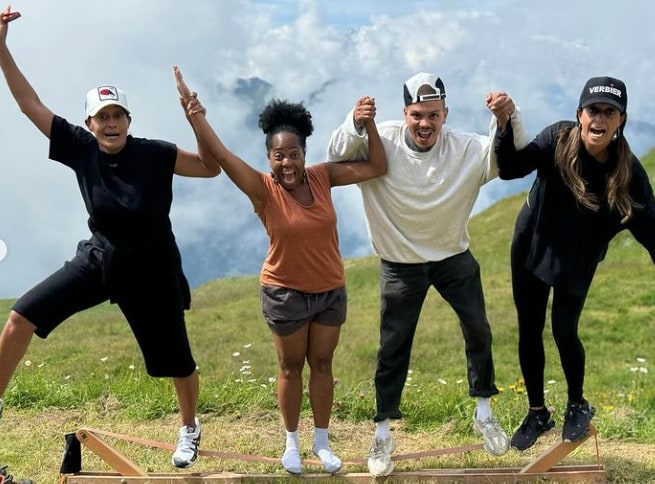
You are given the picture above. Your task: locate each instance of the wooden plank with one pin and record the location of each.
(568, 474)
(555, 453)
(111, 456)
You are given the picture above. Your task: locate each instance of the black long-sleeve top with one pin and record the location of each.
(562, 241)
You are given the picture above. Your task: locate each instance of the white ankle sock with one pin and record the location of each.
(321, 438)
(291, 458)
(331, 463)
(483, 409)
(382, 430)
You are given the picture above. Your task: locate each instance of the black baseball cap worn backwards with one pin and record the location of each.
(604, 89)
(423, 87)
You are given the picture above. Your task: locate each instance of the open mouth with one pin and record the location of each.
(597, 132)
(423, 135)
(288, 176)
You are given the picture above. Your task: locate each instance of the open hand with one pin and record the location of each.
(5, 17)
(188, 98)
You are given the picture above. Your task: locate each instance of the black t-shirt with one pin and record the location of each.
(128, 197)
(562, 241)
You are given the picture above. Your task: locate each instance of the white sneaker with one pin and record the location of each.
(379, 457)
(186, 452)
(495, 439)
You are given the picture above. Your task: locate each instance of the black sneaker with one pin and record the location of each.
(576, 420)
(534, 424)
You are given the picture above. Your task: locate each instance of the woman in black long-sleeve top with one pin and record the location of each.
(589, 187)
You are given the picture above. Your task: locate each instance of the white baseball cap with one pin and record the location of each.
(423, 87)
(103, 96)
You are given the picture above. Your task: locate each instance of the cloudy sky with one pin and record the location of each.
(239, 53)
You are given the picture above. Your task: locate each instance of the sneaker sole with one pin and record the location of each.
(582, 436)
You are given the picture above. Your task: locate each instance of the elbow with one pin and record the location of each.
(505, 175)
(212, 167)
(214, 171)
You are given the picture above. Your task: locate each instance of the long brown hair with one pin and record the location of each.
(567, 159)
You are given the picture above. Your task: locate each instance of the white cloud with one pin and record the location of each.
(324, 53)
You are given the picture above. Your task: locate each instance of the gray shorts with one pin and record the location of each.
(287, 310)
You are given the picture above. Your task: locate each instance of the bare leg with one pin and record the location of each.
(187, 389)
(291, 351)
(322, 343)
(14, 340)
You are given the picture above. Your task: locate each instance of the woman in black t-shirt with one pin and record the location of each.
(132, 258)
(589, 187)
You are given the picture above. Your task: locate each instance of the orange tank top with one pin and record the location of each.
(303, 252)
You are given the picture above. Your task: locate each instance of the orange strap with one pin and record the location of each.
(260, 458)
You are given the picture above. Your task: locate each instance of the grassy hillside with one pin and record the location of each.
(90, 372)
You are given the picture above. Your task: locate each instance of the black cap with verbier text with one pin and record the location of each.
(604, 89)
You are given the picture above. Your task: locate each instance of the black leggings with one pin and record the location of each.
(531, 300)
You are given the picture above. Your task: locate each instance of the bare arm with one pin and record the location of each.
(26, 98)
(202, 163)
(242, 174)
(348, 172)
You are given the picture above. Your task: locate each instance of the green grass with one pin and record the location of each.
(91, 367)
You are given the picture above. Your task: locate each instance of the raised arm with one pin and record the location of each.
(201, 164)
(26, 98)
(506, 117)
(348, 141)
(504, 109)
(241, 173)
(348, 172)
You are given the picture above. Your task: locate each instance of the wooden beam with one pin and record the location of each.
(568, 474)
(111, 456)
(555, 453)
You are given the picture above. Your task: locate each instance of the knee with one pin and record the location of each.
(18, 324)
(322, 365)
(566, 337)
(291, 369)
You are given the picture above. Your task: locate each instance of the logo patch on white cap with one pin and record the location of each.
(107, 93)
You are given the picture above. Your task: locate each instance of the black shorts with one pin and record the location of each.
(153, 307)
(287, 310)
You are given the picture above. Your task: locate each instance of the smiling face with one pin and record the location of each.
(424, 122)
(598, 123)
(287, 159)
(110, 127)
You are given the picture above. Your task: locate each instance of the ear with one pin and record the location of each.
(87, 122)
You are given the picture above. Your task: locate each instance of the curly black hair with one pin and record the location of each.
(284, 116)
